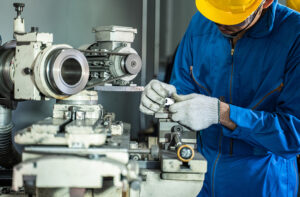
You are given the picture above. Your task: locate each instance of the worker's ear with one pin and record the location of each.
(267, 3)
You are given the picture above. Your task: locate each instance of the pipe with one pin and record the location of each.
(157, 38)
(144, 42)
(144, 56)
(169, 27)
(7, 152)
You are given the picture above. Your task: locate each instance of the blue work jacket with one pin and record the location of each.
(260, 79)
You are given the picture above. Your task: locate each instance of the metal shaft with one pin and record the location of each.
(140, 151)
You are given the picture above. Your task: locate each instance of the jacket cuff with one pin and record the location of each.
(241, 117)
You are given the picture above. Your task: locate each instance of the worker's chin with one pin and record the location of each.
(227, 29)
(228, 32)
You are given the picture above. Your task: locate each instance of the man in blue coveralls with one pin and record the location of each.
(236, 79)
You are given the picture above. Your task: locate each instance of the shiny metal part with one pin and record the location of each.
(67, 71)
(60, 71)
(7, 53)
(177, 139)
(169, 101)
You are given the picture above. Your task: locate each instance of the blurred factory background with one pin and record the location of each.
(160, 23)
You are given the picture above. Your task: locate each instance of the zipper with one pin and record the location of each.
(230, 90)
(216, 161)
(221, 133)
(200, 141)
(278, 89)
(296, 173)
(201, 86)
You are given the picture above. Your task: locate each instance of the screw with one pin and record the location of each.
(28, 71)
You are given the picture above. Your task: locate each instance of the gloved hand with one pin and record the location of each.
(195, 111)
(154, 96)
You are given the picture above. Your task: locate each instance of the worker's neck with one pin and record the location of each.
(241, 34)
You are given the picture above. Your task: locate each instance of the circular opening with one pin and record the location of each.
(71, 71)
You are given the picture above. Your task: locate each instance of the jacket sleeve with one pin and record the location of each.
(279, 131)
(180, 77)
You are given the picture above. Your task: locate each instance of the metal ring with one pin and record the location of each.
(60, 71)
(182, 158)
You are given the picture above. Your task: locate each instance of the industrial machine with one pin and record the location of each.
(81, 150)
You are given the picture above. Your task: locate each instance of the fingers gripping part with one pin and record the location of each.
(149, 103)
(152, 95)
(145, 110)
(180, 106)
(198, 112)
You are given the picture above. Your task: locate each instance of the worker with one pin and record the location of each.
(236, 80)
(294, 4)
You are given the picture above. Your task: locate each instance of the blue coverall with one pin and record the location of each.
(260, 79)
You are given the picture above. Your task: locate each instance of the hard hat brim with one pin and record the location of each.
(223, 17)
(293, 4)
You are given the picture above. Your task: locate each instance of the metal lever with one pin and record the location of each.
(19, 24)
(185, 153)
(19, 7)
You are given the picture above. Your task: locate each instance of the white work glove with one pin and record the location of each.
(195, 111)
(154, 95)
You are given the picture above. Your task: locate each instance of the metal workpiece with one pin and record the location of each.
(61, 71)
(67, 71)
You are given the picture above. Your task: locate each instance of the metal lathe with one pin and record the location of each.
(82, 150)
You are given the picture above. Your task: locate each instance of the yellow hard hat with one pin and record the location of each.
(294, 4)
(227, 12)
